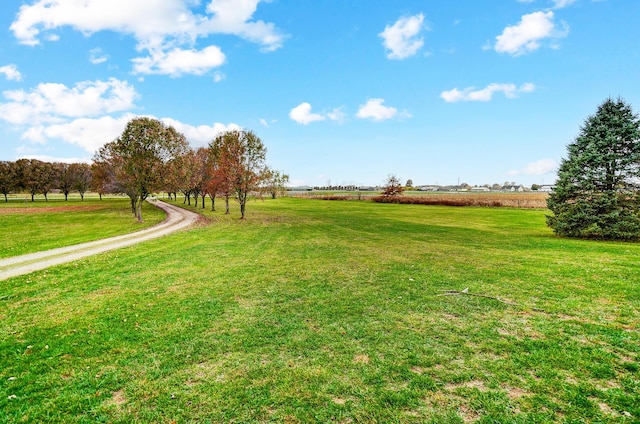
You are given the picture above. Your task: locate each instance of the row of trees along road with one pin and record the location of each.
(597, 194)
(150, 157)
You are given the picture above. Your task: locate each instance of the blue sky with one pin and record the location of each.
(340, 92)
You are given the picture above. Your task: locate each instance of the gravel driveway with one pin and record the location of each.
(177, 219)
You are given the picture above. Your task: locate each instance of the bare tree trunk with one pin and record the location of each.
(226, 201)
(139, 210)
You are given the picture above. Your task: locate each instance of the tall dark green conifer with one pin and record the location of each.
(597, 193)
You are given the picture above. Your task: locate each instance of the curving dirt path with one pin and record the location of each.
(177, 219)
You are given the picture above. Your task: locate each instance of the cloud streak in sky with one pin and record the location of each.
(471, 94)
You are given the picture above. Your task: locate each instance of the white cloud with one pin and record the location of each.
(559, 4)
(83, 115)
(302, 114)
(53, 103)
(540, 167)
(87, 133)
(200, 135)
(528, 34)
(402, 38)
(375, 109)
(166, 29)
(53, 159)
(143, 18)
(97, 56)
(11, 72)
(267, 123)
(178, 61)
(337, 114)
(234, 17)
(470, 94)
(92, 133)
(218, 76)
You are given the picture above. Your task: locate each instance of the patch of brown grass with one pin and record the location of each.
(529, 200)
(510, 200)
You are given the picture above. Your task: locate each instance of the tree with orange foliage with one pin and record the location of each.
(240, 158)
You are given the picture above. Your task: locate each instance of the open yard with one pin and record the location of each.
(317, 311)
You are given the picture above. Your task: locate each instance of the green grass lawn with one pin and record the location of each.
(317, 311)
(27, 227)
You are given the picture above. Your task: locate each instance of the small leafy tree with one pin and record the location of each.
(221, 168)
(275, 182)
(103, 173)
(7, 178)
(65, 178)
(31, 173)
(392, 188)
(81, 175)
(597, 192)
(49, 178)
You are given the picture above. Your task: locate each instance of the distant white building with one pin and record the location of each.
(479, 189)
(546, 188)
(513, 188)
(430, 188)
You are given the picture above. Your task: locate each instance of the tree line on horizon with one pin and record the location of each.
(150, 157)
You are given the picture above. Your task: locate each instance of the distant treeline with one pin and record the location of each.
(37, 177)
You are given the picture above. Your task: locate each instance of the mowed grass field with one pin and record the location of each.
(317, 311)
(27, 227)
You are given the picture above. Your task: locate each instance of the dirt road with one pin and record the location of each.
(177, 219)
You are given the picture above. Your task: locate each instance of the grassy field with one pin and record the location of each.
(27, 227)
(316, 311)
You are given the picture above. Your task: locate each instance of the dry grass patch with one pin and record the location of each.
(474, 384)
(361, 359)
(118, 398)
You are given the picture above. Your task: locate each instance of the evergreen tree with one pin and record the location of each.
(597, 193)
